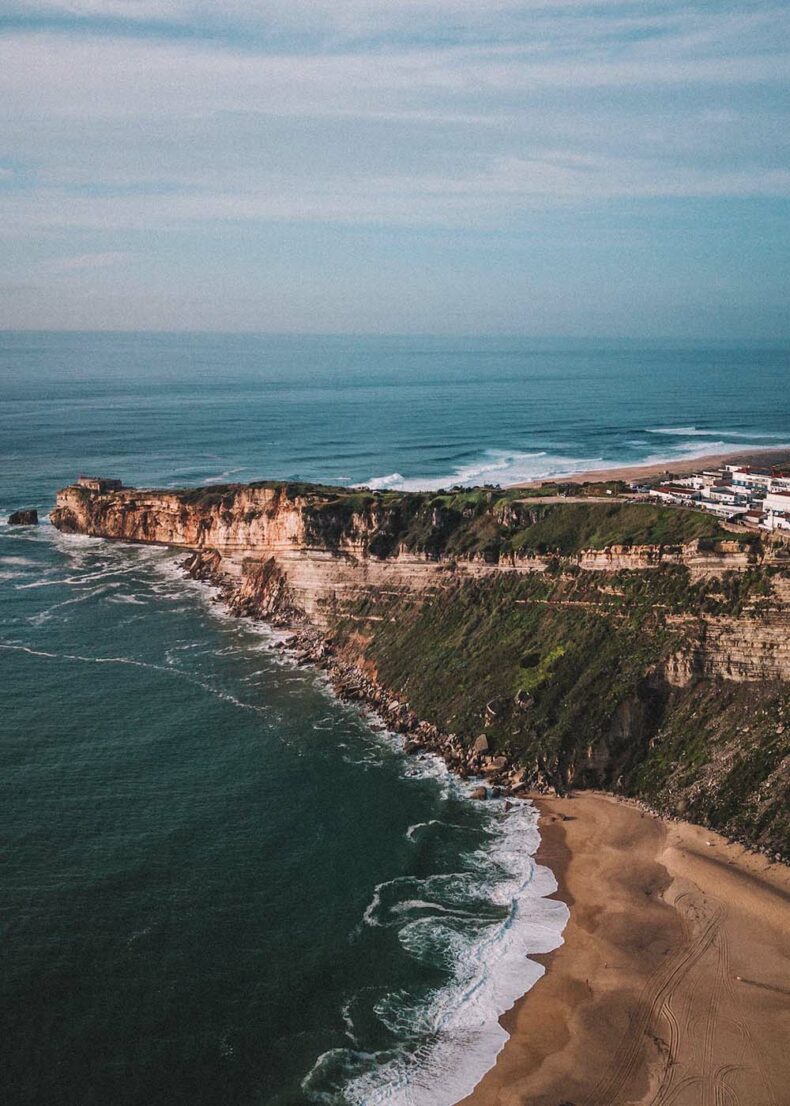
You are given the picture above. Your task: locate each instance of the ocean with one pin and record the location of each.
(220, 884)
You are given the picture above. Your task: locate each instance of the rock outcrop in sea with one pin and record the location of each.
(25, 517)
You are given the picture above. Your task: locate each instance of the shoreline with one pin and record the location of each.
(625, 928)
(672, 984)
(681, 467)
(634, 1007)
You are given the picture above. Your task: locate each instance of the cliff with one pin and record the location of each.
(331, 543)
(610, 644)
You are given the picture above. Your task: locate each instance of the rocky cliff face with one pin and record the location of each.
(286, 552)
(235, 524)
(329, 547)
(740, 649)
(320, 555)
(585, 652)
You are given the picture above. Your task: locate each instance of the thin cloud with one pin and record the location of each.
(149, 129)
(495, 196)
(79, 262)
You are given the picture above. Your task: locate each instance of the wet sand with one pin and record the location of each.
(676, 468)
(672, 987)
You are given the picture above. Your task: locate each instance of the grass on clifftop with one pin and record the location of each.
(481, 522)
(488, 522)
(569, 527)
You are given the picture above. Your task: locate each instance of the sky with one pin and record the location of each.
(397, 166)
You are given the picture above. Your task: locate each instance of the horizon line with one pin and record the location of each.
(441, 335)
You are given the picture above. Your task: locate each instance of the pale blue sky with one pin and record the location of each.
(445, 166)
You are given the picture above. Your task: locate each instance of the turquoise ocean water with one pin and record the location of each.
(219, 885)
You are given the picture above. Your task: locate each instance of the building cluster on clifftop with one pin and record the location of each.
(753, 496)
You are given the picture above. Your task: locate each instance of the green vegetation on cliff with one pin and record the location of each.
(568, 528)
(498, 523)
(566, 671)
(488, 522)
(474, 646)
(722, 757)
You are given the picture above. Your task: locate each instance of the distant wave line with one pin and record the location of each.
(168, 670)
(507, 468)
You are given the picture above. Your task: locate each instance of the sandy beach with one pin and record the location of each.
(675, 468)
(672, 987)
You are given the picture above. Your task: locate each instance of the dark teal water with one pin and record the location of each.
(219, 885)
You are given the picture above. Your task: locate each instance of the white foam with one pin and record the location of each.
(81, 597)
(689, 450)
(221, 477)
(168, 669)
(41, 584)
(348, 1022)
(481, 924)
(412, 830)
(506, 467)
(129, 599)
(694, 431)
(496, 466)
(381, 483)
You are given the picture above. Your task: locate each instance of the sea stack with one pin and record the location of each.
(23, 518)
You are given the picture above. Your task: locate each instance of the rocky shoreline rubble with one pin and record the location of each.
(498, 774)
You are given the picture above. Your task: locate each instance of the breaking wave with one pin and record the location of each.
(478, 927)
(495, 466)
(507, 467)
(694, 431)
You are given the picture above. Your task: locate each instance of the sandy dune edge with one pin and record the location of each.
(673, 985)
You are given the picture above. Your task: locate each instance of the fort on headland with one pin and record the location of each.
(100, 484)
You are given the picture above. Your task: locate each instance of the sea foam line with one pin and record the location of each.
(491, 968)
(452, 1037)
(504, 468)
(163, 668)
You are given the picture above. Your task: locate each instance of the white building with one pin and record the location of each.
(758, 479)
(723, 510)
(674, 493)
(99, 484)
(777, 501)
(776, 520)
(729, 495)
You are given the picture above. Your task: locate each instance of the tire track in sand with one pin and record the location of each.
(653, 997)
(711, 1085)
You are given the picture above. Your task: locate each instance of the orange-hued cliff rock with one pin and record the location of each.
(328, 549)
(611, 644)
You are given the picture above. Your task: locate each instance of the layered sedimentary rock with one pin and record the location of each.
(329, 547)
(740, 649)
(290, 553)
(614, 645)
